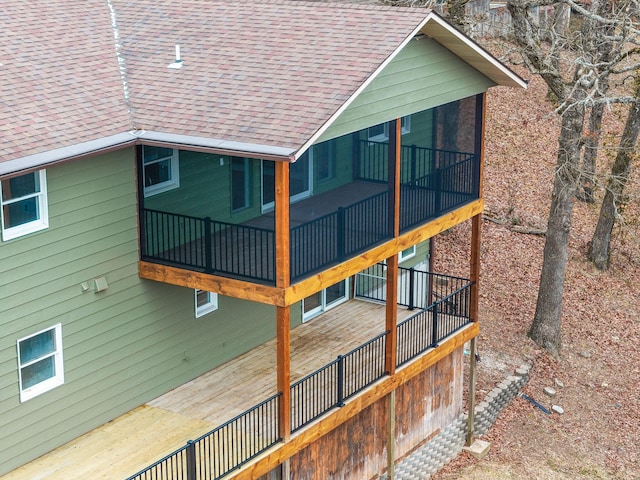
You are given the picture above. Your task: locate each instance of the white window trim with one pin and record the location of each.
(405, 123)
(381, 137)
(324, 306)
(50, 383)
(30, 227)
(402, 257)
(210, 306)
(405, 128)
(171, 184)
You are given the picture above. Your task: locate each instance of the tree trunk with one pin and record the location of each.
(545, 328)
(591, 144)
(601, 241)
(595, 42)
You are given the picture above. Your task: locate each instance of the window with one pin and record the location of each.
(40, 362)
(299, 181)
(206, 302)
(160, 169)
(405, 125)
(407, 253)
(240, 177)
(380, 133)
(325, 299)
(24, 204)
(325, 159)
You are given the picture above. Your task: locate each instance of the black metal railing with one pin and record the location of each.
(432, 181)
(223, 450)
(233, 444)
(416, 162)
(329, 386)
(416, 288)
(438, 192)
(332, 238)
(209, 245)
(427, 328)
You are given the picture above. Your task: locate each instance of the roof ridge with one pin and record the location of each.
(122, 63)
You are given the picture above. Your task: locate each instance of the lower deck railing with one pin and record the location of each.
(233, 444)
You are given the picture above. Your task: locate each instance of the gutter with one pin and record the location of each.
(119, 141)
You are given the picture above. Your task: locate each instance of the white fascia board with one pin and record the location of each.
(50, 157)
(491, 67)
(240, 149)
(471, 52)
(135, 137)
(360, 89)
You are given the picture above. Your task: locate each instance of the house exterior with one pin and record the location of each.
(183, 181)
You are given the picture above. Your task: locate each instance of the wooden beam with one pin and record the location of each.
(481, 112)
(283, 354)
(391, 317)
(278, 454)
(396, 176)
(391, 436)
(294, 293)
(211, 283)
(474, 266)
(352, 266)
(283, 264)
(471, 416)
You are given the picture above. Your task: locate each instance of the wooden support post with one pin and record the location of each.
(392, 262)
(394, 154)
(283, 313)
(472, 392)
(474, 275)
(283, 260)
(481, 110)
(474, 266)
(391, 314)
(284, 369)
(391, 436)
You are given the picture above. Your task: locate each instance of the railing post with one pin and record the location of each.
(340, 232)
(412, 283)
(357, 161)
(191, 460)
(208, 253)
(340, 385)
(438, 191)
(434, 326)
(413, 164)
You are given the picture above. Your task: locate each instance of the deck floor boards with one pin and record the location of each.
(142, 436)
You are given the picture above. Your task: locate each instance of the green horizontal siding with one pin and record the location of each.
(122, 347)
(423, 75)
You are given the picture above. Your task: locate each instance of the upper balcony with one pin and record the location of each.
(216, 214)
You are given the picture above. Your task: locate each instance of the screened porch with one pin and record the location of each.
(219, 218)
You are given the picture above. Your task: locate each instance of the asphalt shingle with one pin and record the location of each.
(259, 72)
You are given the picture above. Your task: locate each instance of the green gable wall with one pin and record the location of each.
(422, 76)
(121, 347)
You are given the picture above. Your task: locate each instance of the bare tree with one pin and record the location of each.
(600, 243)
(577, 67)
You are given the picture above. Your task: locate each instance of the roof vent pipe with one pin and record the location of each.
(177, 63)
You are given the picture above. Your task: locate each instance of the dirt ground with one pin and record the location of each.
(597, 375)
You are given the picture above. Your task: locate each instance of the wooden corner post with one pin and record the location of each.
(391, 317)
(283, 313)
(474, 266)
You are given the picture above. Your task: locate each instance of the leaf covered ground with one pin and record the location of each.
(597, 375)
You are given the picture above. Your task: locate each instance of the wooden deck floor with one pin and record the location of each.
(137, 439)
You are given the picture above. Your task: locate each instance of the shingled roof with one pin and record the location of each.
(259, 76)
